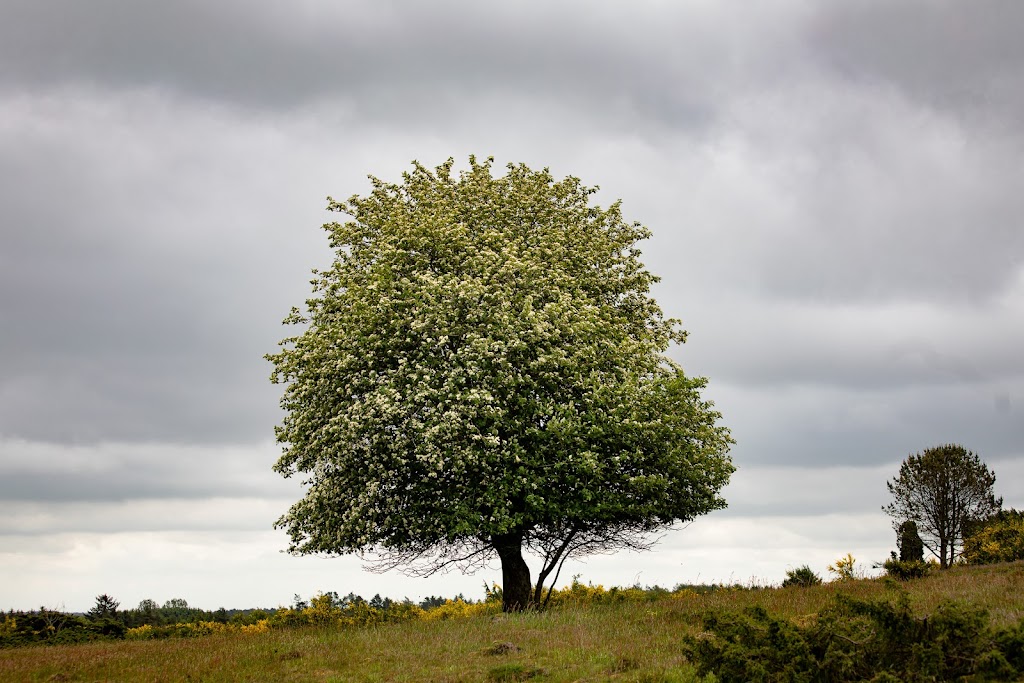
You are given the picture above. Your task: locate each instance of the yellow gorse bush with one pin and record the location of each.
(459, 609)
(261, 626)
(844, 568)
(578, 594)
(144, 632)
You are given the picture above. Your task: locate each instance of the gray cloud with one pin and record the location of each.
(401, 61)
(834, 193)
(845, 195)
(964, 58)
(149, 514)
(111, 472)
(813, 426)
(137, 279)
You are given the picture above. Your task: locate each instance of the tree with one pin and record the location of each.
(104, 609)
(482, 372)
(942, 489)
(909, 542)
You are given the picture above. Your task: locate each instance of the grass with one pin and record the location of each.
(632, 641)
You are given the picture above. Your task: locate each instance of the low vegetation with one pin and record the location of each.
(592, 633)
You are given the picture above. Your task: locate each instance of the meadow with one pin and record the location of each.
(590, 635)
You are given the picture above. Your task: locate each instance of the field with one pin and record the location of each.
(629, 641)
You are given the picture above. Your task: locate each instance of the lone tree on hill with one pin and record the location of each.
(482, 372)
(942, 490)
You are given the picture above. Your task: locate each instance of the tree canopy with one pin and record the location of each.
(942, 489)
(482, 370)
(105, 608)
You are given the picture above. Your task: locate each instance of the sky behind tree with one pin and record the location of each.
(834, 190)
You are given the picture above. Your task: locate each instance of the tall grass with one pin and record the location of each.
(631, 640)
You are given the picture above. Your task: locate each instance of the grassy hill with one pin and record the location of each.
(635, 640)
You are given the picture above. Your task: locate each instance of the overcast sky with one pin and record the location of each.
(835, 191)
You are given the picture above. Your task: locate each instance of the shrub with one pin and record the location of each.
(751, 646)
(904, 570)
(844, 568)
(52, 627)
(801, 576)
(459, 609)
(858, 640)
(144, 632)
(261, 626)
(1000, 538)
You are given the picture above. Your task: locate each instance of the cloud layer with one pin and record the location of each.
(834, 193)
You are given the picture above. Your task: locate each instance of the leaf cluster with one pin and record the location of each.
(858, 640)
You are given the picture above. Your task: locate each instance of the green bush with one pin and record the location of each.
(905, 570)
(858, 640)
(801, 576)
(50, 627)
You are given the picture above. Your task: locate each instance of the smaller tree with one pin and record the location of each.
(909, 542)
(941, 490)
(104, 609)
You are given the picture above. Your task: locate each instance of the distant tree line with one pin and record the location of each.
(105, 621)
(175, 619)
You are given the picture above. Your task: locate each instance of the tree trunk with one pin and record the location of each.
(515, 574)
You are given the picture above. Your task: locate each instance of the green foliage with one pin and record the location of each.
(104, 609)
(858, 640)
(173, 611)
(910, 563)
(751, 646)
(906, 570)
(999, 538)
(46, 626)
(941, 490)
(801, 576)
(908, 540)
(483, 369)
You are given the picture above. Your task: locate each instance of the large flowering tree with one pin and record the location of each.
(482, 372)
